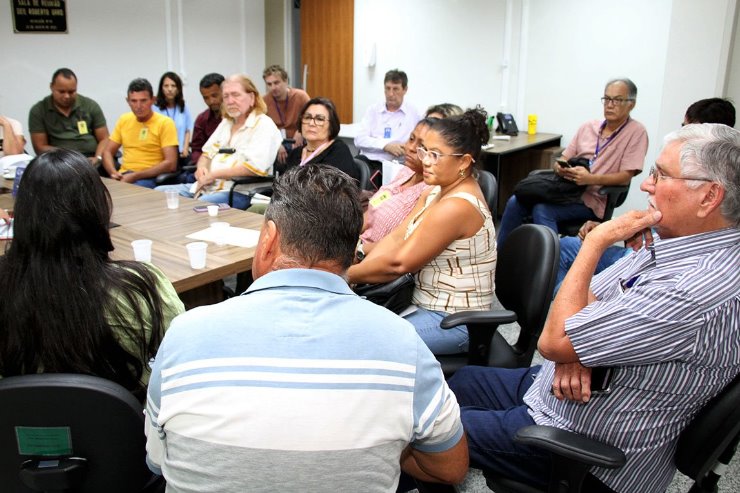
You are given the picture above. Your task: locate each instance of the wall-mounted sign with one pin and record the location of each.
(39, 16)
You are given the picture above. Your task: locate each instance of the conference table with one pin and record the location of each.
(141, 213)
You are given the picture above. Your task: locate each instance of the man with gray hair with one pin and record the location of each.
(663, 321)
(299, 384)
(614, 149)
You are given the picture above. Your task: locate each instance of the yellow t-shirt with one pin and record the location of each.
(143, 141)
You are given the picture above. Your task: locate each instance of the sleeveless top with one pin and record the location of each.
(462, 276)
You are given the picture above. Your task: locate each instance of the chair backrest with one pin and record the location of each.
(487, 183)
(615, 196)
(525, 280)
(715, 429)
(103, 421)
(364, 170)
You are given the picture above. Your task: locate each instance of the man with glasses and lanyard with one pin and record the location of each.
(615, 147)
(663, 320)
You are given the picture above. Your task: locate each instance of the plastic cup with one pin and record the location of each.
(213, 210)
(197, 254)
(220, 228)
(531, 124)
(173, 199)
(142, 250)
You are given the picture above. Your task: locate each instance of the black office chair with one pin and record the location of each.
(266, 189)
(615, 196)
(64, 432)
(364, 169)
(525, 279)
(487, 183)
(707, 443)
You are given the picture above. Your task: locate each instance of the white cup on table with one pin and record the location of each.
(173, 199)
(197, 254)
(142, 250)
(212, 210)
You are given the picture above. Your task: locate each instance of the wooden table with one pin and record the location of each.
(139, 213)
(518, 162)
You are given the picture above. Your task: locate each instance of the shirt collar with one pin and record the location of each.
(309, 278)
(250, 122)
(50, 105)
(672, 249)
(402, 109)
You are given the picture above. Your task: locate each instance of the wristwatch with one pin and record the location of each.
(359, 252)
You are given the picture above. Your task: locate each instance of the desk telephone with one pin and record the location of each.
(506, 124)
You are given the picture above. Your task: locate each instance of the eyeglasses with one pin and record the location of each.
(656, 174)
(434, 156)
(606, 101)
(318, 120)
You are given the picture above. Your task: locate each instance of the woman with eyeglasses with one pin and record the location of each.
(447, 240)
(392, 202)
(318, 123)
(67, 306)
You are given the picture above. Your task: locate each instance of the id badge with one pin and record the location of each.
(387, 133)
(82, 127)
(143, 133)
(380, 198)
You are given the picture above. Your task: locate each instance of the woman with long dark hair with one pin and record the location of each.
(447, 239)
(67, 307)
(171, 102)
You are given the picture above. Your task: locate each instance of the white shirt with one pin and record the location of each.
(380, 127)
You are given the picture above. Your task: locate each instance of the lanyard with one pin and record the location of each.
(599, 148)
(277, 105)
(315, 152)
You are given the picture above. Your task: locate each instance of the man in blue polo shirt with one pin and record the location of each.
(299, 384)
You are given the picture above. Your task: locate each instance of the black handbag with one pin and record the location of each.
(394, 295)
(550, 188)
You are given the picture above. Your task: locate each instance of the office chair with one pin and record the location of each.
(525, 279)
(615, 196)
(364, 169)
(704, 449)
(488, 186)
(244, 180)
(65, 432)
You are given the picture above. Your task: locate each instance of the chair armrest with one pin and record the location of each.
(243, 180)
(541, 171)
(572, 446)
(496, 317)
(617, 189)
(163, 178)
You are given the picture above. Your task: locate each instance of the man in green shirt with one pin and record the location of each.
(68, 120)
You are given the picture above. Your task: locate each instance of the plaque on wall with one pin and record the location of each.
(39, 16)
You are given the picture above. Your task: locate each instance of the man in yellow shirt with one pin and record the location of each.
(149, 140)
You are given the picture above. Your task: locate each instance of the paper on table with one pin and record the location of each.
(241, 237)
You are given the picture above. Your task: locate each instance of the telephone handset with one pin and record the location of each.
(506, 124)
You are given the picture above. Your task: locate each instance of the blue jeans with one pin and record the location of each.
(241, 201)
(492, 410)
(545, 214)
(437, 339)
(569, 248)
(146, 182)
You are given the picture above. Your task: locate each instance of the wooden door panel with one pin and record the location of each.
(327, 47)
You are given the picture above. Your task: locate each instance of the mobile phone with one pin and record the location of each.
(563, 163)
(601, 380)
(227, 150)
(204, 208)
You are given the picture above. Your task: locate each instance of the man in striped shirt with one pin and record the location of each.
(665, 319)
(299, 384)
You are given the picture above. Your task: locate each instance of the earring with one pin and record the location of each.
(462, 173)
